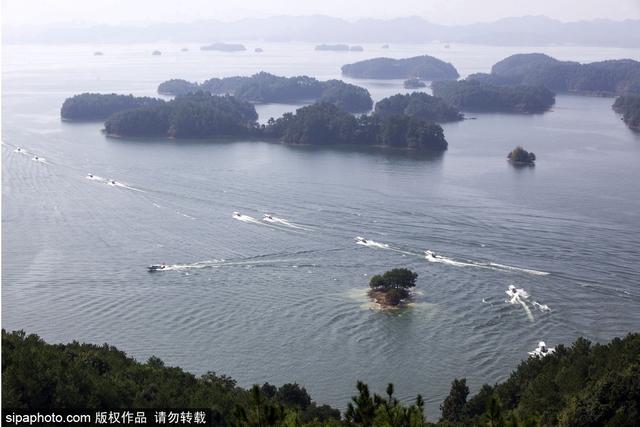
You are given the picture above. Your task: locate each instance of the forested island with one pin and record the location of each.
(393, 288)
(520, 156)
(629, 107)
(422, 67)
(325, 124)
(224, 47)
(419, 105)
(203, 115)
(474, 95)
(97, 106)
(198, 115)
(268, 88)
(604, 78)
(582, 385)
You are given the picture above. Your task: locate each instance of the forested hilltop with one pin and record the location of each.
(629, 107)
(268, 88)
(418, 105)
(423, 67)
(611, 77)
(474, 95)
(97, 106)
(582, 385)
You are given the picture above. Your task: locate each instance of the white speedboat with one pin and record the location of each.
(157, 267)
(542, 350)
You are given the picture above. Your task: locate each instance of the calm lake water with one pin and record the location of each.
(285, 301)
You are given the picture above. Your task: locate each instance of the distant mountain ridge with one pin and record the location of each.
(515, 31)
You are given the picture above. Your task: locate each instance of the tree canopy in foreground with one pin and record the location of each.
(582, 385)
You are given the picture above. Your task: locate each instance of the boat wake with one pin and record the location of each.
(433, 257)
(370, 243)
(245, 218)
(275, 220)
(112, 182)
(519, 296)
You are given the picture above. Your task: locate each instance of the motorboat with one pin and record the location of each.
(361, 240)
(431, 254)
(157, 267)
(542, 350)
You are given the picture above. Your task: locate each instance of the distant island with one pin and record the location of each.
(333, 47)
(356, 48)
(224, 47)
(268, 88)
(422, 67)
(199, 115)
(97, 53)
(385, 46)
(392, 289)
(203, 115)
(475, 95)
(258, 50)
(604, 78)
(96, 106)
(629, 107)
(519, 156)
(418, 105)
(414, 84)
(156, 53)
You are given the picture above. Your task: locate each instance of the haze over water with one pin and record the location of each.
(270, 301)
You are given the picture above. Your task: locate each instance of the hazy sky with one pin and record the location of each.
(44, 12)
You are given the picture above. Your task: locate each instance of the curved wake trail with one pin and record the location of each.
(518, 296)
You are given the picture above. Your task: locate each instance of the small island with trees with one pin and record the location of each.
(418, 105)
(423, 67)
(224, 47)
(474, 95)
(264, 88)
(414, 84)
(393, 288)
(521, 157)
(629, 107)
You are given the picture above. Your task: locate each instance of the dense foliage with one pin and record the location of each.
(97, 106)
(520, 155)
(419, 105)
(346, 96)
(37, 375)
(224, 47)
(199, 115)
(612, 77)
(414, 84)
(629, 107)
(473, 95)
(326, 124)
(395, 284)
(265, 88)
(583, 385)
(422, 67)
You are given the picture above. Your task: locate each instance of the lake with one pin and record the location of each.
(285, 301)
